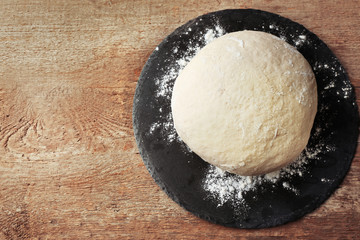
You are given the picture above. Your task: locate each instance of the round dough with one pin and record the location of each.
(246, 103)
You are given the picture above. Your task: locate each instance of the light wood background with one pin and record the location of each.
(69, 166)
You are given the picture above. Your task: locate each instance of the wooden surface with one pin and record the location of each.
(69, 166)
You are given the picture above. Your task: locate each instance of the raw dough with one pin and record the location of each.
(246, 103)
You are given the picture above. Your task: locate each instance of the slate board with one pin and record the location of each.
(180, 173)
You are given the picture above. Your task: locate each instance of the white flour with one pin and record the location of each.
(165, 83)
(225, 187)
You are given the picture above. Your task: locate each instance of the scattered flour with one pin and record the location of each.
(212, 34)
(166, 82)
(226, 187)
(300, 40)
(325, 180)
(153, 127)
(332, 69)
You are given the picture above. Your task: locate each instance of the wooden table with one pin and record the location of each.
(69, 165)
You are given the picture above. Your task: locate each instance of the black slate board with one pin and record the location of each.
(180, 173)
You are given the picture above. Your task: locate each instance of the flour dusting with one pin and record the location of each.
(165, 84)
(225, 187)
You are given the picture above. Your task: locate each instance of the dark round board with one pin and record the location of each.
(181, 173)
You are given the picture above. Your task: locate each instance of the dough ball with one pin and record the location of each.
(246, 103)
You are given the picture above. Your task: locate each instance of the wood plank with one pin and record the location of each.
(69, 166)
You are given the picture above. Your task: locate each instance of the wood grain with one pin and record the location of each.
(69, 166)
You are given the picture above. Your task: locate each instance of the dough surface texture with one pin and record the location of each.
(246, 103)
